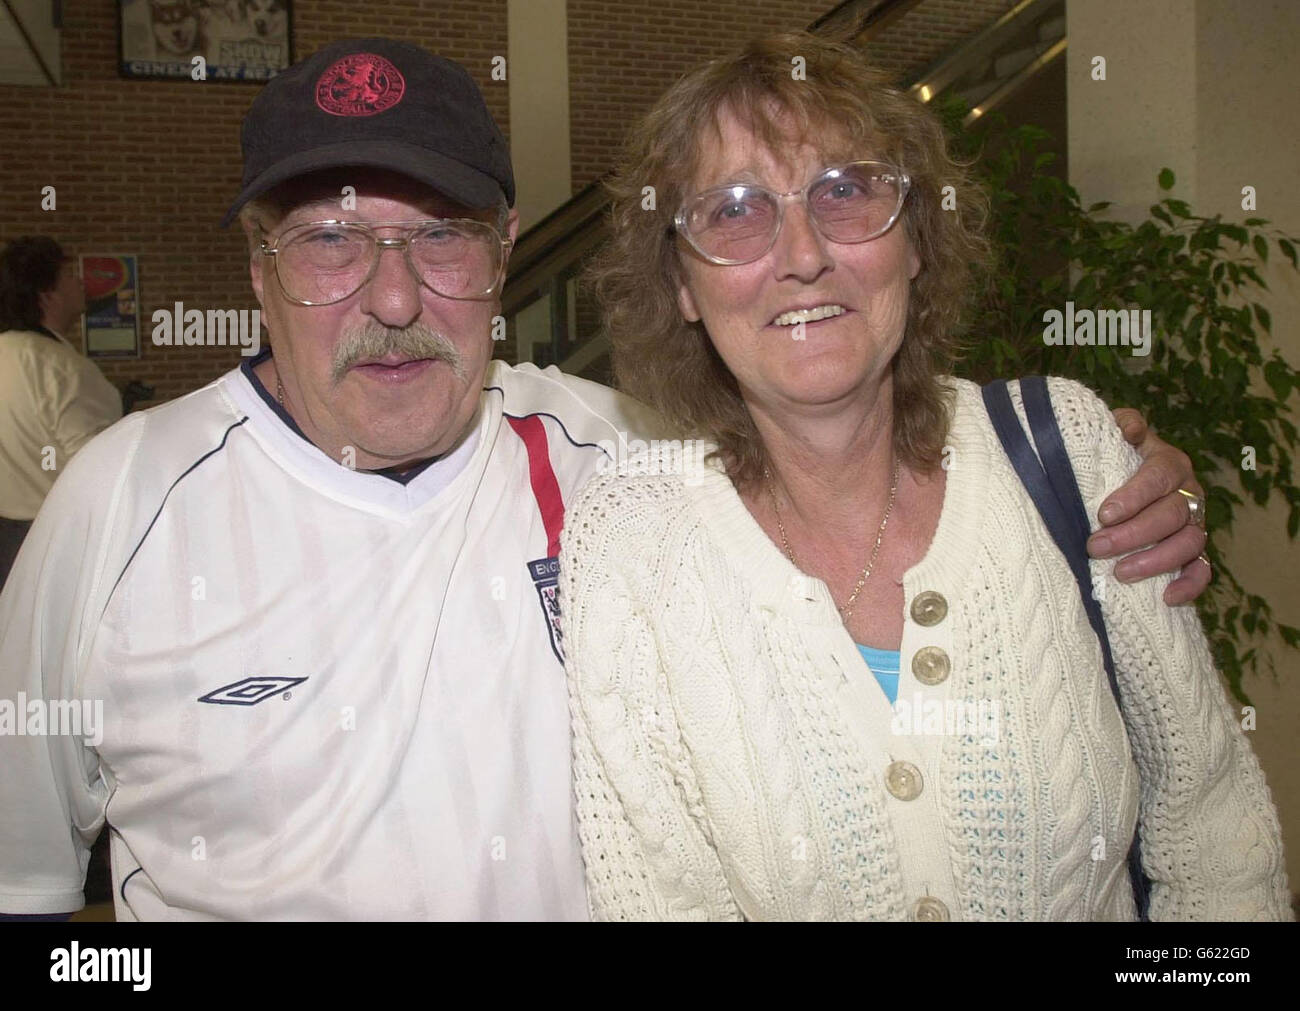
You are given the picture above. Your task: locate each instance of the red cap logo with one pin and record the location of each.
(361, 84)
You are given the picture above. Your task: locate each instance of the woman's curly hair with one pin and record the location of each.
(850, 111)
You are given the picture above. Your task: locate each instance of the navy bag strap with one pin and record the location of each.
(1049, 478)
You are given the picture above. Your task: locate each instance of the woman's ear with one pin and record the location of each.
(686, 303)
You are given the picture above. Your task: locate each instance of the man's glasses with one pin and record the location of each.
(323, 262)
(847, 203)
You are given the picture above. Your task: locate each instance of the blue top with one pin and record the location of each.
(884, 665)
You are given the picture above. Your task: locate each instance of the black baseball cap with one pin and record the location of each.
(382, 104)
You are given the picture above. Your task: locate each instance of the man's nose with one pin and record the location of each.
(392, 295)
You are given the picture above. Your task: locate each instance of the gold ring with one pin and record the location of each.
(1195, 507)
(1207, 562)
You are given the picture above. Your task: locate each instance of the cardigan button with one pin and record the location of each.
(931, 665)
(903, 780)
(930, 910)
(929, 608)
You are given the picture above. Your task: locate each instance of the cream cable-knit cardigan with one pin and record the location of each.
(733, 756)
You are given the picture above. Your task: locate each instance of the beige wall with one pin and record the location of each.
(539, 106)
(37, 20)
(1208, 88)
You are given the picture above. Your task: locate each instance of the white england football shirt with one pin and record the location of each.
(325, 693)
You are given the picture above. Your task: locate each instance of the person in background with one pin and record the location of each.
(53, 400)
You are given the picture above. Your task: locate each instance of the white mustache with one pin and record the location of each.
(374, 340)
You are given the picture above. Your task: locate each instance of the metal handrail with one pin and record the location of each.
(950, 67)
(1014, 83)
(545, 239)
(866, 23)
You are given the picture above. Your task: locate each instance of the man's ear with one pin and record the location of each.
(255, 259)
(255, 275)
(512, 232)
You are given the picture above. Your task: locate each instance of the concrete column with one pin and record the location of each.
(1143, 116)
(538, 76)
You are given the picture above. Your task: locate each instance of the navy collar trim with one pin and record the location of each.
(246, 367)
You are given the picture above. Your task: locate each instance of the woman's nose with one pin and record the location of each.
(801, 250)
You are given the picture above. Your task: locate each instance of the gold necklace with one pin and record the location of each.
(847, 610)
(279, 387)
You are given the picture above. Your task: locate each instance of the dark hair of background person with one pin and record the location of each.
(29, 266)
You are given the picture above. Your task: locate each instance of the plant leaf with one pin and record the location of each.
(1279, 378)
(1213, 383)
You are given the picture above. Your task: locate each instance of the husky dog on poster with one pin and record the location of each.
(238, 40)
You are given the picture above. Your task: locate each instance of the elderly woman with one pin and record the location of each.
(792, 299)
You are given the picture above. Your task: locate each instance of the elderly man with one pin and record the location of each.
(312, 604)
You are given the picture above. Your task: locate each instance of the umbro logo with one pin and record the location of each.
(250, 691)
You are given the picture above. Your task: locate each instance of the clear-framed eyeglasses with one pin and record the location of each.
(849, 203)
(323, 262)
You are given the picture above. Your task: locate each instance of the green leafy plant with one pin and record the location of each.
(1210, 385)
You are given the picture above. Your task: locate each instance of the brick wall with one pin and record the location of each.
(149, 167)
(624, 53)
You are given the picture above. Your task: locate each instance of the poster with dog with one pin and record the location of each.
(238, 40)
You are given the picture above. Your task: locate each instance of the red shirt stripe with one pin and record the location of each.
(546, 490)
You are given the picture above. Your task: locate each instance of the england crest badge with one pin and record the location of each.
(546, 577)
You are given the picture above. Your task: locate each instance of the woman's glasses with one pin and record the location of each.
(848, 203)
